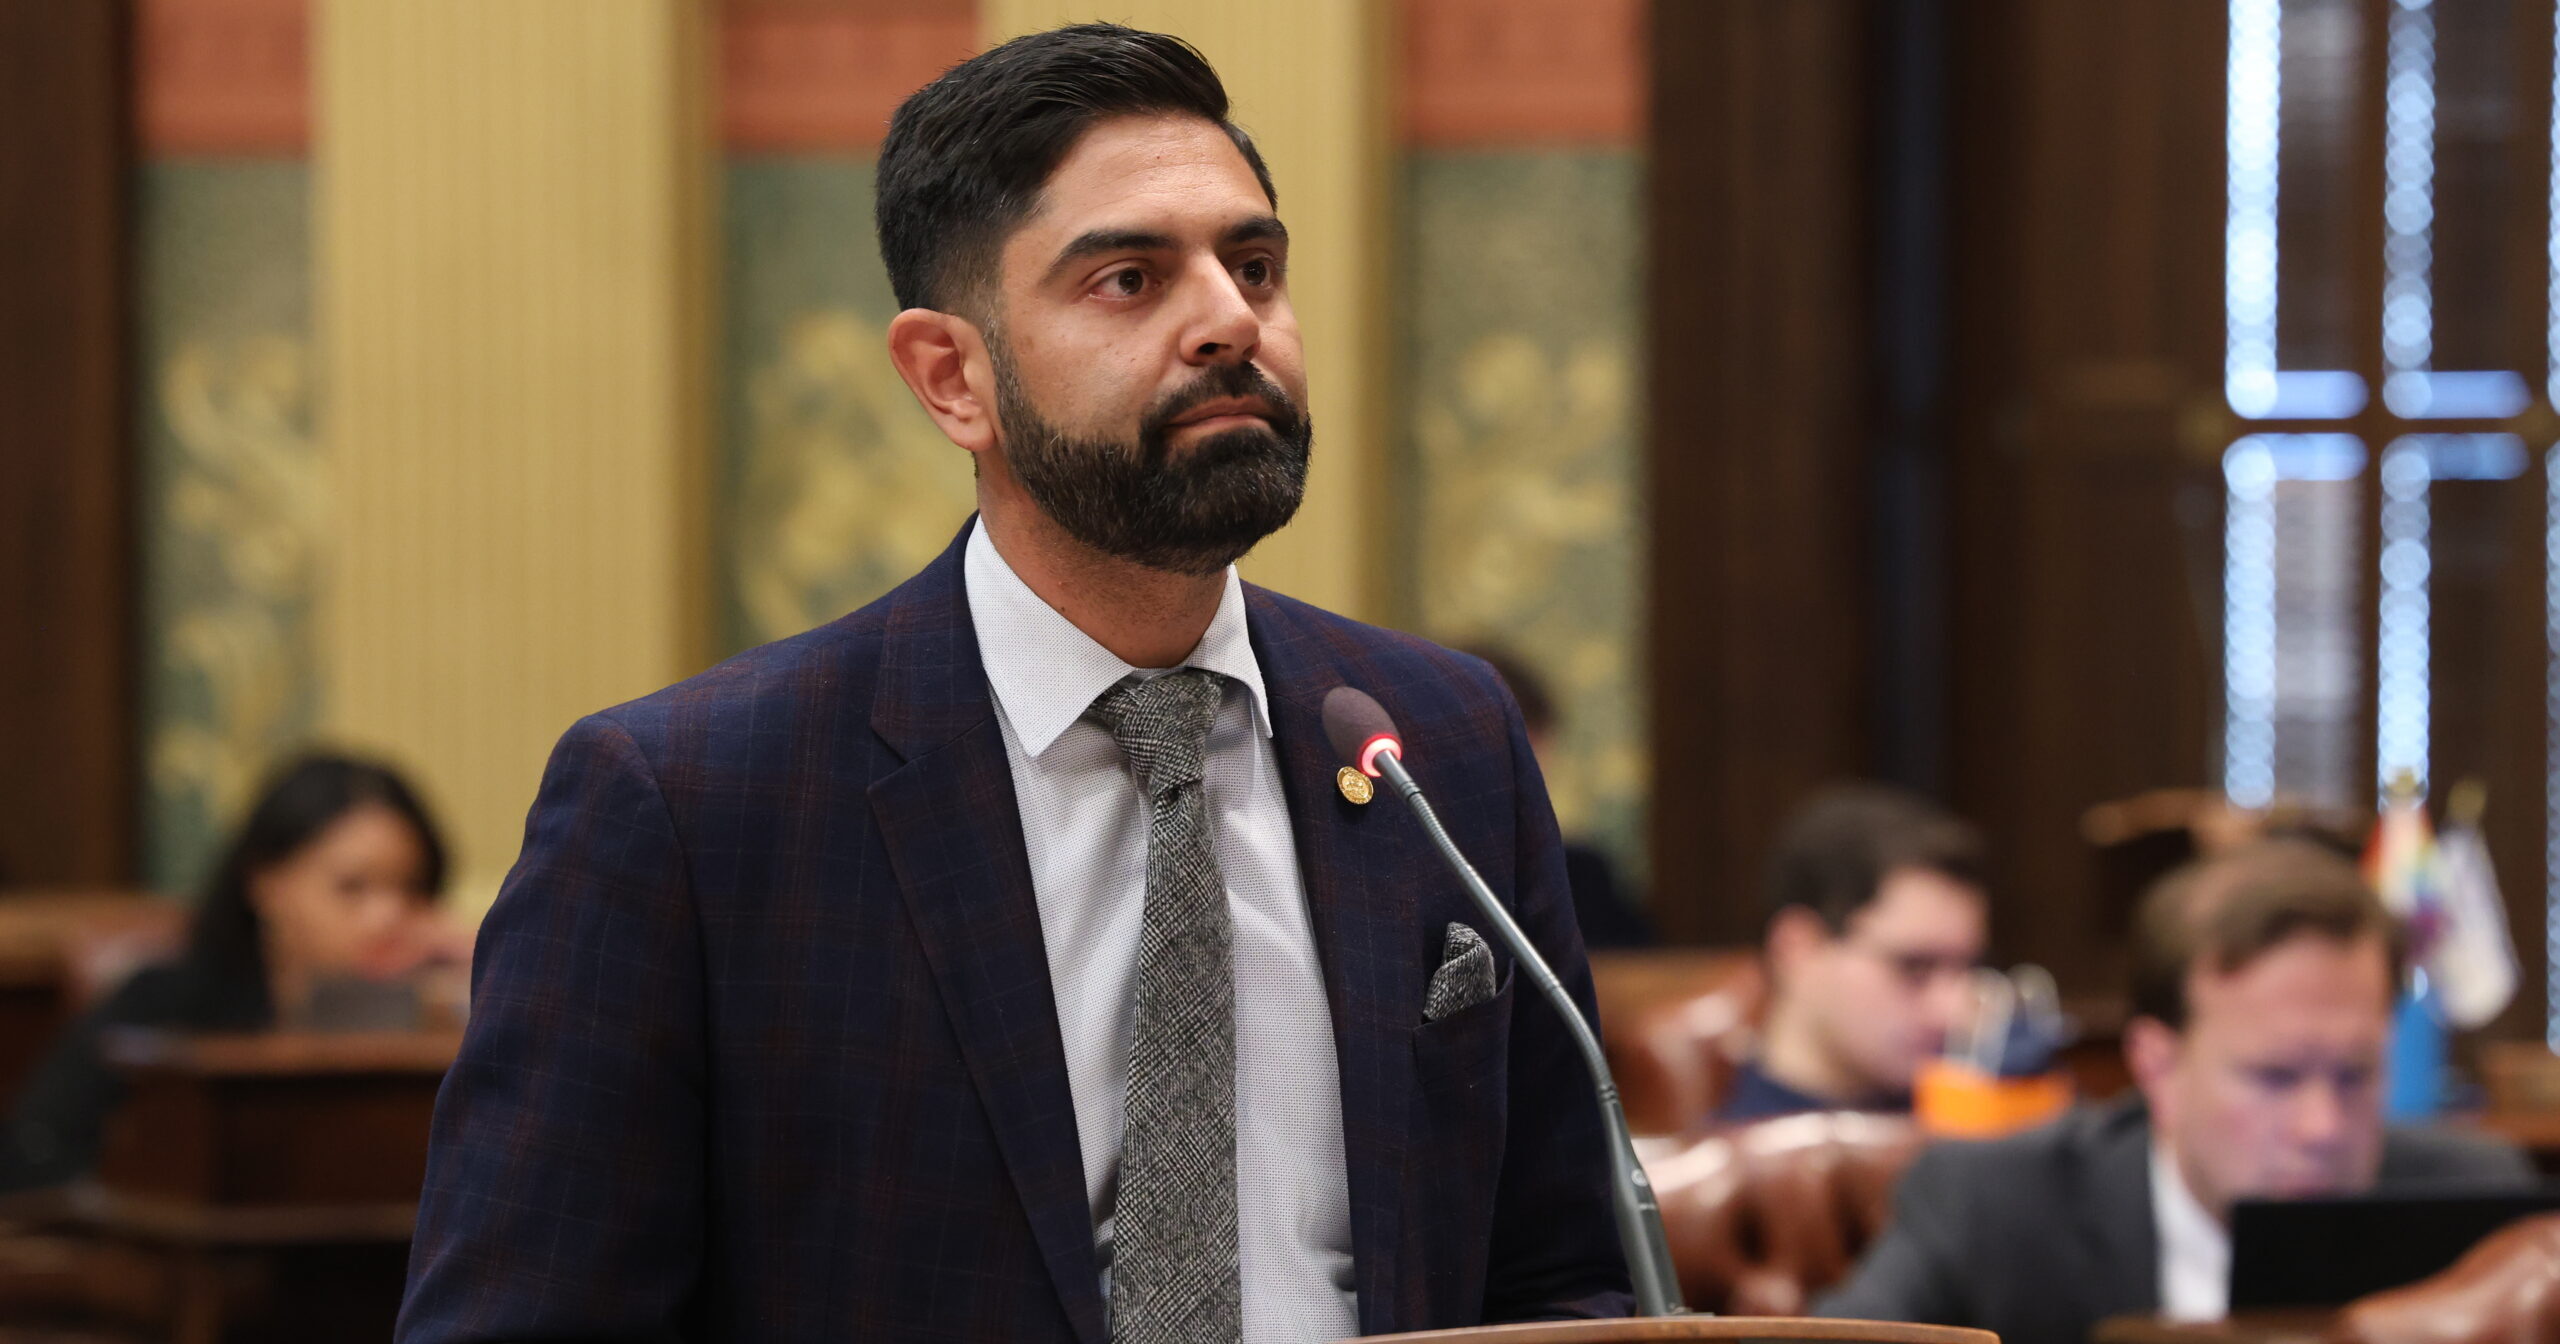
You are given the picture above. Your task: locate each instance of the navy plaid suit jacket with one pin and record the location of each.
(762, 1044)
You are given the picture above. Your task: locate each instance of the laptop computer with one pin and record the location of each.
(2329, 1251)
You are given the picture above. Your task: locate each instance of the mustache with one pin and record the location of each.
(1225, 380)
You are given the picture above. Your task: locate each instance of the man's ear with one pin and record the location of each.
(1795, 935)
(2151, 1050)
(945, 363)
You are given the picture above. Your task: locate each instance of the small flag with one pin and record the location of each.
(2473, 962)
(2400, 865)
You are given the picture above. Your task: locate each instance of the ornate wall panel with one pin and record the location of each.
(1521, 419)
(234, 518)
(836, 485)
(233, 521)
(1520, 397)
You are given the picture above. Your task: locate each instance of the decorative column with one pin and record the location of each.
(513, 231)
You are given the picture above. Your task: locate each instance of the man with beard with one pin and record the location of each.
(1007, 960)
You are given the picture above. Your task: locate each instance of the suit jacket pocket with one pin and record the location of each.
(1462, 1096)
(1466, 1051)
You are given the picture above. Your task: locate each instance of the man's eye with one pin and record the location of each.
(1257, 272)
(1126, 284)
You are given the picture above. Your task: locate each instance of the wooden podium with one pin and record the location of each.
(275, 1136)
(1643, 1328)
(261, 1184)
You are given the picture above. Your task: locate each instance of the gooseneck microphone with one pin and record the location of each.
(1363, 735)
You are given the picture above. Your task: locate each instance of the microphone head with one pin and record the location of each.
(1359, 729)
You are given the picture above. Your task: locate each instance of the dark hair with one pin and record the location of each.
(2221, 913)
(1836, 850)
(967, 155)
(1537, 708)
(225, 962)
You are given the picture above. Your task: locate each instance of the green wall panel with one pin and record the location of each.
(1520, 307)
(837, 486)
(232, 515)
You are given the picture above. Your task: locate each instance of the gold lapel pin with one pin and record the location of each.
(1354, 785)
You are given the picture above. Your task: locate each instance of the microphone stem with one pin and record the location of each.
(1640, 1234)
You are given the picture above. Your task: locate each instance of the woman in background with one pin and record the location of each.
(333, 875)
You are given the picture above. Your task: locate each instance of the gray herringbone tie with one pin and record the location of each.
(1174, 1277)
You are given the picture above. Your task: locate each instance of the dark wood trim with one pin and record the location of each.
(1909, 339)
(1759, 610)
(68, 766)
(2083, 480)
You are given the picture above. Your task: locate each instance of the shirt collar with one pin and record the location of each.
(1045, 672)
(2195, 1250)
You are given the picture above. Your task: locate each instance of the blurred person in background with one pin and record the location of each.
(1610, 915)
(333, 876)
(2264, 979)
(1875, 920)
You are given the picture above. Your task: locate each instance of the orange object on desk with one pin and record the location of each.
(1954, 1100)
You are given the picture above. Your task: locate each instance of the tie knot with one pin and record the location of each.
(1161, 724)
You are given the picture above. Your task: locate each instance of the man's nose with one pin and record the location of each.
(2319, 1114)
(1223, 326)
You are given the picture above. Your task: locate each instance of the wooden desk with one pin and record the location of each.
(1760, 1329)
(43, 934)
(265, 1125)
(2249, 1327)
(266, 1183)
(2523, 1083)
(2537, 1132)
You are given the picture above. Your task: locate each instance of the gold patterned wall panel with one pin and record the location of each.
(837, 485)
(232, 519)
(1308, 81)
(513, 218)
(1522, 419)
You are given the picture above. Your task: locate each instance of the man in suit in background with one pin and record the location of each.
(1006, 960)
(1874, 920)
(2263, 986)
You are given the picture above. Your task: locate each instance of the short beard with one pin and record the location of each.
(1192, 513)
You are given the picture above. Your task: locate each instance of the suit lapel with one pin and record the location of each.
(1360, 907)
(2122, 1226)
(953, 832)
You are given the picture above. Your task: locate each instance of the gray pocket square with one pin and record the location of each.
(1465, 977)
